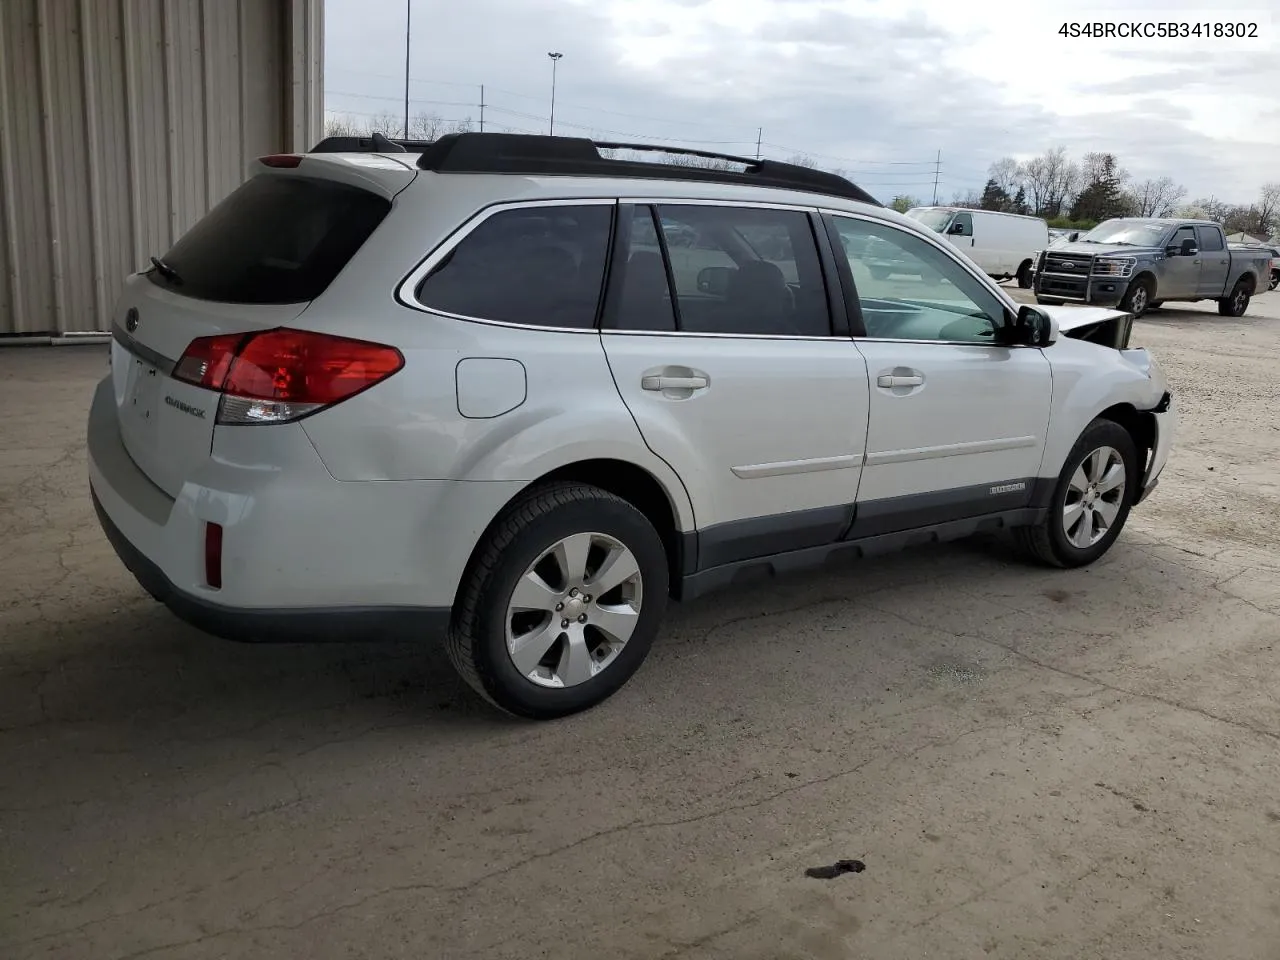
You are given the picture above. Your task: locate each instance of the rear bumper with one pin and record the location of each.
(304, 556)
(275, 625)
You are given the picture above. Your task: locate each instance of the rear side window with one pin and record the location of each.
(276, 239)
(534, 266)
(1209, 238)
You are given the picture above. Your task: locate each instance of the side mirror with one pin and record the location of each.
(1189, 248)
(956, 227)
(1072, 238)
(1036, 328)
(714, 281)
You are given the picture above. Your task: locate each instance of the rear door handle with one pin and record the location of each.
(673, 383)
(887, 380)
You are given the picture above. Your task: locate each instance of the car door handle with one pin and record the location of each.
(888, 380)
(673, 383)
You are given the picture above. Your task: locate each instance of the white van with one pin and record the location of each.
(1003, 245)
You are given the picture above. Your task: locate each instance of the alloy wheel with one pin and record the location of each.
(1094, 496)
(573, 610)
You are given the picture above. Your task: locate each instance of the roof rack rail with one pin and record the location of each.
(376, 143)
(532, 154)
(537, 155)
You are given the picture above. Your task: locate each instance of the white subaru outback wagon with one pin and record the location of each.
(516, 392)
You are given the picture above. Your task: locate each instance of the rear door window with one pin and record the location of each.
(276, 239)
(533, 266)
(749, 271)
(1209, 238)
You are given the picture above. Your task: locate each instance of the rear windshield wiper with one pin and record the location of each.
(165, 270)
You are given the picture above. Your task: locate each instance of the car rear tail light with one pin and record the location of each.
(213, 555)
(276, 376)
(281, 160)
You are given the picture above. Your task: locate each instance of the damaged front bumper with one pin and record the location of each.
(1165, 416)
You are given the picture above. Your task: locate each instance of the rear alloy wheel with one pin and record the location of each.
(1137, 298)
(1024, 276)
(1091, 500)
(1275, 280)
(1237, 302)
(562, 603)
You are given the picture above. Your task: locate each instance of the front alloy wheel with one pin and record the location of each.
(1091, 500)
(1095, 496)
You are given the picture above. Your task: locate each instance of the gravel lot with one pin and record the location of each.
(1030, 763)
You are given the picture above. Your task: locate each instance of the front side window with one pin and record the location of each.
(1181, 235)
(534, 266)
(910, 290)
(744, 270)
(962, 225)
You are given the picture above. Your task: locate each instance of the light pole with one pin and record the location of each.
(408, 19)
(555, 59)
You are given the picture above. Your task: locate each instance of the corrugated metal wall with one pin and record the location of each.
(122, 122)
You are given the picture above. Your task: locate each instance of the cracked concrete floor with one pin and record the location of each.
(1031, 763)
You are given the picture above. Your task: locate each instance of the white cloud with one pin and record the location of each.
(869, 85)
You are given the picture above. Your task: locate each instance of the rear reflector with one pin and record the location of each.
(280, 375)
(280, 160)
(213, 555)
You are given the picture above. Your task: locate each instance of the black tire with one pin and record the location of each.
(477, 641)
(1048, 302)
(1138, 297)
(1024, 275)
(1047, 542)
(1237, 302)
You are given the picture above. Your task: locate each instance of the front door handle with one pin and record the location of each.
(673, 383)
(888, 380)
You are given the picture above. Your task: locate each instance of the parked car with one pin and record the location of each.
(469, 395)
(1057, 238)
(1141, 263)
(1003, 245)
(1272, 252)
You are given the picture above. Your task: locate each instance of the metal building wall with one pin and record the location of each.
(122, 122)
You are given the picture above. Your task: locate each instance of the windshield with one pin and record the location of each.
(1134, 233)
(933, 219)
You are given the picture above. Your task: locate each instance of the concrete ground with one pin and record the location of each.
(1030, 763)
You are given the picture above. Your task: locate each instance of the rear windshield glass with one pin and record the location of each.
(276, 239)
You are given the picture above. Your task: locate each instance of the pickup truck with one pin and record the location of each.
(1140, 263)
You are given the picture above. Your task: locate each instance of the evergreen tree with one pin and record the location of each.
(994, 197)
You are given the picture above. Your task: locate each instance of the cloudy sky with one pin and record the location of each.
(876, 87)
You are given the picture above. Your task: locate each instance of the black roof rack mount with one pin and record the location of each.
(536, 155)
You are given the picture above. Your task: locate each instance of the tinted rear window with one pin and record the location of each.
(274, 240)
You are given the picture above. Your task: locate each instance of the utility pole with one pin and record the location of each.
(937, 168)
(759, 137)
(408, 20)
(482, 108)
(555, 59)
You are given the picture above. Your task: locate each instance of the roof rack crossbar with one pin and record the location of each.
(537, 155)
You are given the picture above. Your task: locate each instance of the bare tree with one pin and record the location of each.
(385, 123)
(1007, 174)
(969, 200)
(1156, 198)
(342, 125)
(802, 160)
(1269, 209)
